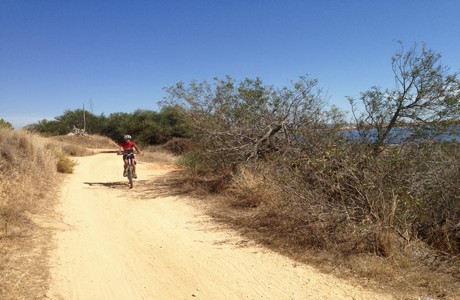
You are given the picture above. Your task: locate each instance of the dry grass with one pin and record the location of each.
(65, 164)
(178, 146)
(256, 205)
(159, 156)
(82, 145)
(78, 145)
(28, 178)
(253, 188)
(29, 168)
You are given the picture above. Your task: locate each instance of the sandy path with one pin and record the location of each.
(113, 245)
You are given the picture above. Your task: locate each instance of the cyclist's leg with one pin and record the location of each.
(125, 165)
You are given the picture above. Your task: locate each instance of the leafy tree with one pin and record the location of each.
(148, 127)
(45, 127)
(5, 124)
(78, 118)
(417, 186)
(116, 126)
(172, 123)
(65, 123)
(426, 95)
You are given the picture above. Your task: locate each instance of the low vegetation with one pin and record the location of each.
(29, 183)
(28, 177)
(83, 145)
(290, 177)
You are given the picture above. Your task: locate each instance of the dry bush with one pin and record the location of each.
(433, 201)
(323, 193)
(252, 187)
(27, 165)
(69, 147)
(343, 201)
(246, 189)
(64, 164)
(394, 213)
(158, 155)
(27, 186)
(353, 203)
(178, 146)
(206, 171)
(81, 145)
(74, 150)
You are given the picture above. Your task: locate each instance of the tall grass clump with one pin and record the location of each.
(64, 164)
(28, 168)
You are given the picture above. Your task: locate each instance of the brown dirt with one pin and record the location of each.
(115, 243)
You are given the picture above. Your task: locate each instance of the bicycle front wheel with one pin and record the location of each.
(130, 176)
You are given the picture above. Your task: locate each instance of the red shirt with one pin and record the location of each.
(128, 145)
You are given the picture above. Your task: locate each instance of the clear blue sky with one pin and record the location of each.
(117, 56)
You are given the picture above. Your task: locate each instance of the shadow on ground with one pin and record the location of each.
(161, 186)
(113, 184)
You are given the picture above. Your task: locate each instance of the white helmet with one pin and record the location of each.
(127, 137)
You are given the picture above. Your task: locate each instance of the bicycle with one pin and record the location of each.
(130, 167)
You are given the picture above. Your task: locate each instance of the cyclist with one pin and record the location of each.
(128, 146)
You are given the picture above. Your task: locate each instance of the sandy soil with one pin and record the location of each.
(114, 243)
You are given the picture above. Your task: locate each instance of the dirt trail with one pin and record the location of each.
(114, 244)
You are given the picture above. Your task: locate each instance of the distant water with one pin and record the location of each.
(401, 134)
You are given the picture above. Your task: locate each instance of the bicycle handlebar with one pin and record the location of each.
(127, 152)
